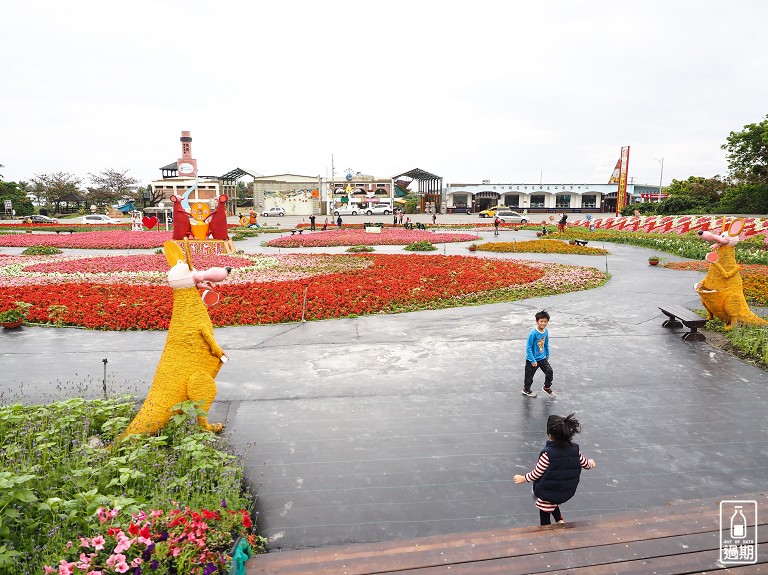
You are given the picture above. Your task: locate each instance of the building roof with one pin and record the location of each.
(237, 173)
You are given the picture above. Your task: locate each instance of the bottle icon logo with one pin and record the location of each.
(738, 523)
(738, 532)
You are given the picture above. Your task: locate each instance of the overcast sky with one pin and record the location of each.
(501, 90)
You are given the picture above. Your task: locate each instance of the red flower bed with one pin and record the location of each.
(391, 283)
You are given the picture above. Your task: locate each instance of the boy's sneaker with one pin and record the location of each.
(548, 391)
(529, 393)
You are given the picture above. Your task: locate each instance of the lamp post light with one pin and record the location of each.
(661, 161)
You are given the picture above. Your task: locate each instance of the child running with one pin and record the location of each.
(556, 475)
(537, 356)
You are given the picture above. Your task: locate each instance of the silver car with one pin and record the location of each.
(386, 210)
(509, 217)
(274, 212)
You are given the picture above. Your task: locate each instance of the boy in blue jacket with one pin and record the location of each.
(537, 356)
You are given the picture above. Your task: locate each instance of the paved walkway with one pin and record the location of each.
(397, 426)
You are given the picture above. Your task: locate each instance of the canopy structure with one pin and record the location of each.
(430, 188)
(234, 175)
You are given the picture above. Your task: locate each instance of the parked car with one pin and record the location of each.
(274, 212)
(386, 210)
(491, 212)
(38, 219)
(100, 219)
(510, 217)
(347, 211)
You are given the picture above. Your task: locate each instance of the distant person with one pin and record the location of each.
(496, 222)
(434, 218)
(400, 217)
(561, 223)
(338, 221)
(537, 356)
(543, 230)
(558, 470)
(394, 222)
(312, 222)
(325, 224)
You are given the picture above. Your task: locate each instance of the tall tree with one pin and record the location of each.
(748, 153)
(52, 187)
(111, 186)
(20, 203)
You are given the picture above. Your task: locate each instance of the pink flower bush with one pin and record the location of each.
(355, 237)
(162, 542)
(109, 240)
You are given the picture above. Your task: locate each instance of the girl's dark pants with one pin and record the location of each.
(544, 516)
(530, 370)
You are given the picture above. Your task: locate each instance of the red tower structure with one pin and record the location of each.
(186, 165)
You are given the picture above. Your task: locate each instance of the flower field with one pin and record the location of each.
(540, 247)
(754, 278)
(105, 240)
(355, 237)
(87, 292)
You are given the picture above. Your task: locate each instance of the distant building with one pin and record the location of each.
(181, 175)
(541, 198)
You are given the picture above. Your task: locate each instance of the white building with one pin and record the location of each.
(540, 198)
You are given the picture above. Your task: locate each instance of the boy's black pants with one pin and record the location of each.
(543, 364)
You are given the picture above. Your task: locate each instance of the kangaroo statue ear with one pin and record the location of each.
(173, 253)
(736, 227)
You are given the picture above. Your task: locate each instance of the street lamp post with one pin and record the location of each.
(661, 177)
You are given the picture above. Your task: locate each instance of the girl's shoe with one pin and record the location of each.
(548, 391)
(529, 393)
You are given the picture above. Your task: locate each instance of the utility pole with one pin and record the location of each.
(661, 177)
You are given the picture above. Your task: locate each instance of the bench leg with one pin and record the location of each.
(671, 322)
(693, 336)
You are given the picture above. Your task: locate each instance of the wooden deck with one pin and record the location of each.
(682, 537)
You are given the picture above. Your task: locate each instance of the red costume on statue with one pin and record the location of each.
(181, 226)
(217, 227)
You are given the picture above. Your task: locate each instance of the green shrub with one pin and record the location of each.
(422, 246)
(358, 249)
(40, 251)
(57, 472)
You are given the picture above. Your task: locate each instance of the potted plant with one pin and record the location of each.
(14, 317)
(472, 247)
(654, 260)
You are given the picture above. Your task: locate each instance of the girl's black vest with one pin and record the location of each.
(560, 480)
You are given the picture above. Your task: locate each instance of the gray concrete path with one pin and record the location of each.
(396, 426)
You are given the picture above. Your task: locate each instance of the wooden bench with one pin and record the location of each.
(686, 317)
(297, 230)
(579, 242)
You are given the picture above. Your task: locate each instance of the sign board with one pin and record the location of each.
(8, 205)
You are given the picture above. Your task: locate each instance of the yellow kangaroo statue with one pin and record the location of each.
(191, 357)
(722, 291)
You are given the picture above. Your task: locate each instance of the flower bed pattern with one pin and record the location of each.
(354, 237)
(108, 240)
(339, 286)
(540, 247)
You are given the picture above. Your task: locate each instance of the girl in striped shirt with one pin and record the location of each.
(556, 475)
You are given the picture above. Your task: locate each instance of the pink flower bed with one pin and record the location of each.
(355, 237)
(109, 240)
(151, 269)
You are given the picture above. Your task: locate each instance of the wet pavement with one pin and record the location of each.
(395, 426)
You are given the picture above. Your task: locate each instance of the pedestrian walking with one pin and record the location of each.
(325, 224)
(434, 218)
(561, 223)
(338, 221)
(394, 223)
(558, 470)
(400, 217)
(496, 222)
(537, 356)
(312, 222)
